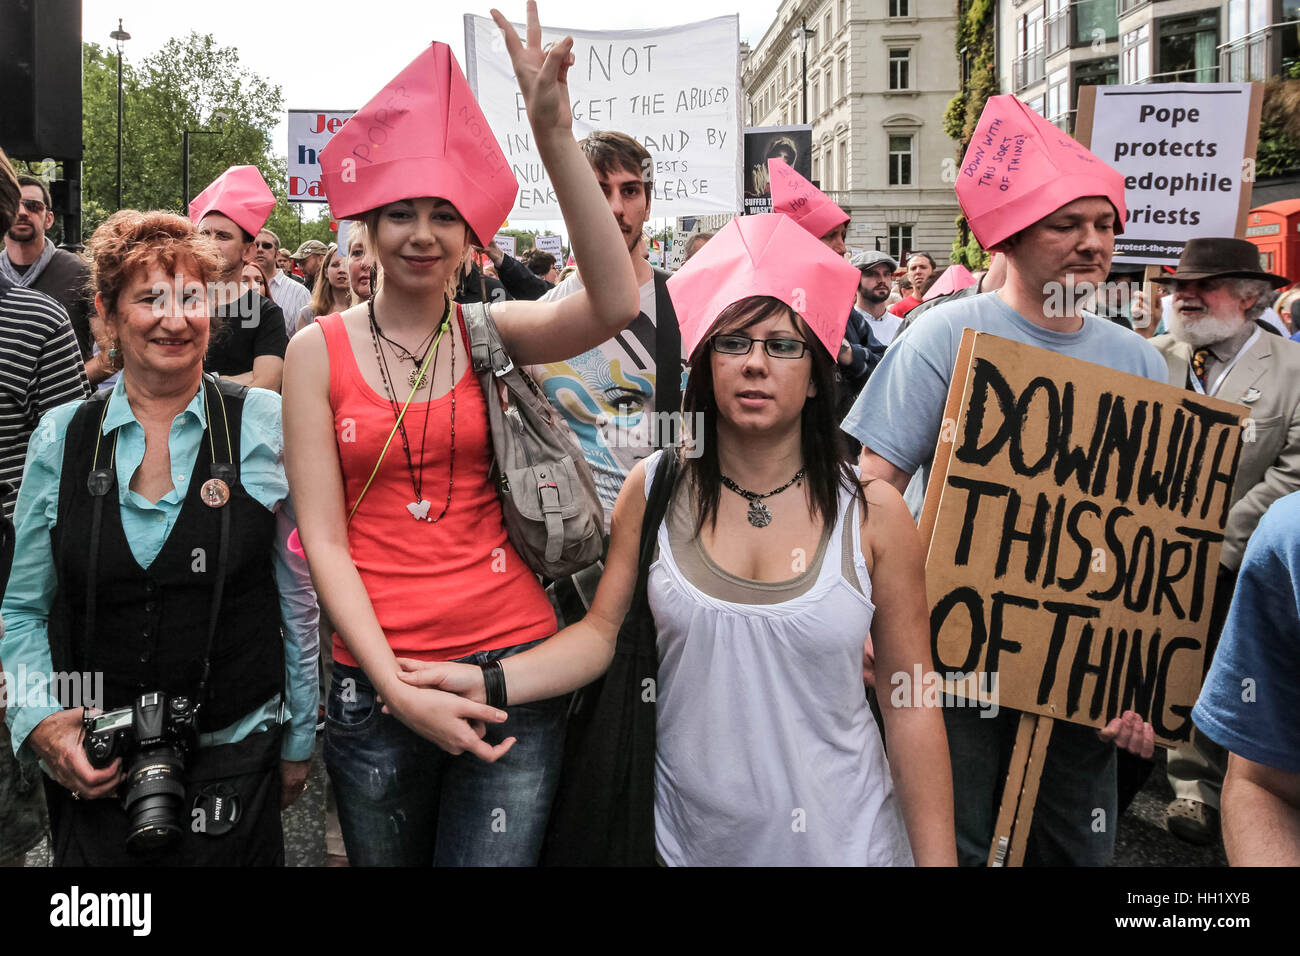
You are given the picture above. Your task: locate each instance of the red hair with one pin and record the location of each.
(130, 242)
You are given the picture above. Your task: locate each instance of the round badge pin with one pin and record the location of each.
(214, 492)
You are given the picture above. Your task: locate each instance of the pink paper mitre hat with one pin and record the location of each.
(794, 196)
(764, 255)
(954, 278)
(241, 194)
(1020, 168)
(422, 135)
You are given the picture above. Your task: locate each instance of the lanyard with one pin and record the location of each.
(1218, 381)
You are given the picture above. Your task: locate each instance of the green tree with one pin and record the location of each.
(184, 86)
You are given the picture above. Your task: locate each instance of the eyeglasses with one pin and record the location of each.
(776, 348)
(33, 205)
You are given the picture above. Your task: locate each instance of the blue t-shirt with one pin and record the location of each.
(899, 413)
(1251, 699)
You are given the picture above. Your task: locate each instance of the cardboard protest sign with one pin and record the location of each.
(549, 244)
(673, 89)
(1187, 152)
(309, 131)
(1075, 516)
(791, 143)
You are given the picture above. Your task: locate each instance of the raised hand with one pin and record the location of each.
(542, 72)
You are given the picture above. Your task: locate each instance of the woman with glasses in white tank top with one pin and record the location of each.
(773, 564)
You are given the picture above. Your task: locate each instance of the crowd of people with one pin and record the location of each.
(262, 505)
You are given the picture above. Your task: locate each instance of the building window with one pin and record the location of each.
(1029, 62)
(1103, 72)
(900, 160)
(827, 30)
(844, 164)
(1056, 26)
(1094, 20)
(900, 62)
(900, 240)
(829, 171)
(844, 76)
(830, 95)
(1187, 51)
(1058, 103)
(1038, 104)
(1136, 56)
(1126, 5)
(815, 93)
(898, 8)
(816, 167)
(844, 12)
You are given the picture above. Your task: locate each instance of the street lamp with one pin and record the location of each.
(220, 119)
(802, 34)
(119, 36)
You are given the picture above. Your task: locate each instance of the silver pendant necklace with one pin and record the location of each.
(760, 516)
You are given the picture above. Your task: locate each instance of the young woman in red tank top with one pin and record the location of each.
(413, 560)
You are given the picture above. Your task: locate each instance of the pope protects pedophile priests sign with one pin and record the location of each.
(1077, 515)
(675, 90)
(1187, 154)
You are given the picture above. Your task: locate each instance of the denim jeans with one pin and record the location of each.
(1078, 781)
(402, 801)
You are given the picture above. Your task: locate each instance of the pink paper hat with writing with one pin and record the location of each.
(794, 196)
(239, 193)
(422, 135)
(764, 255)
(954, 278)
(1020, 168)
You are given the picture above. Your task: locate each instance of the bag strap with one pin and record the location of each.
(668, 355)
(656, 507)
(486, 350)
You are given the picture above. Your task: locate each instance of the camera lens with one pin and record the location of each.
(154, 800)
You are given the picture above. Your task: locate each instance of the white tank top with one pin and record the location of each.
(767, 753)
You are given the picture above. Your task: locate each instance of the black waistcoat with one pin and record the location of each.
(151, 626)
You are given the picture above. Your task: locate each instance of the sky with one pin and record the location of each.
(336, 54)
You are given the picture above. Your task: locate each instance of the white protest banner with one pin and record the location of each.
(505, 243)
(309, 131)
(673, 89)
(1187, 153)
(551, 244)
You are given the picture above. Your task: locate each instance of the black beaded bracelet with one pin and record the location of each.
(494, 683)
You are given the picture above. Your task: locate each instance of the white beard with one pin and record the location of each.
(1204, 331)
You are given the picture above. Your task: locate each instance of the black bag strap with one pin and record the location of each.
(656, 507)
(668, 354)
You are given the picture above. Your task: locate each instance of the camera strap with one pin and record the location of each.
(101, 481)
(228, 472)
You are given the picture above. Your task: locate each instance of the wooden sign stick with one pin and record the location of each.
(1020, 791)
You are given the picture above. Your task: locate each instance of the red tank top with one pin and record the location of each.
(443, 590)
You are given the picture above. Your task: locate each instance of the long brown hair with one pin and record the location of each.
(825, 451)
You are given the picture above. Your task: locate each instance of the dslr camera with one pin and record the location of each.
(154, 737)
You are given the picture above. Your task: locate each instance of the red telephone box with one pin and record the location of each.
(1275, 228)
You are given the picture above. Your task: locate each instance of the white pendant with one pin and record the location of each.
(419, 510)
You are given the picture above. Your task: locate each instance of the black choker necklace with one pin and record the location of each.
(759, 515)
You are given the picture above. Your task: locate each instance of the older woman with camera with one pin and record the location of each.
(151, 529)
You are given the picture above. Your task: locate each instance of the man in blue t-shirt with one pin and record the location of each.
(1250, 703)
(1057, 233)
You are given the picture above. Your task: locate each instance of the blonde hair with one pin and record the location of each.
(322, 293)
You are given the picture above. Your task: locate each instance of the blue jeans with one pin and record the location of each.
(403, 801)
(1078, 781)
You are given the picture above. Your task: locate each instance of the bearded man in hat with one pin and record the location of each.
(1056, 224)
(1216, 346)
